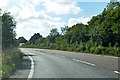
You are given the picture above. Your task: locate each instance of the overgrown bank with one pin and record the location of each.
(100, 36)
(11, 60)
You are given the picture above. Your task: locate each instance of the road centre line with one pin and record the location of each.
(84, 62)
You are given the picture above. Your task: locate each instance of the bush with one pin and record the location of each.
(11, 59)
(86, 51)
(81, 48)
(116, 44)
(92, 49)
(96, 50)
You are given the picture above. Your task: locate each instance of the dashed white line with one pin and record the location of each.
(32, 68)
(84, 62)
(117, 72)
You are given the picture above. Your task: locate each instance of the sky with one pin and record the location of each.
(40, 16)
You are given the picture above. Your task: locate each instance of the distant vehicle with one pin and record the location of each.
(21, 44)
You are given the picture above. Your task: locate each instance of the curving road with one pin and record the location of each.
(64, 64)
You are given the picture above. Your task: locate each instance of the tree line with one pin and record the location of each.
(100, 36)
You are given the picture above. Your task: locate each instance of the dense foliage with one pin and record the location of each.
(11, 56)
(8, 33)
(100, 36)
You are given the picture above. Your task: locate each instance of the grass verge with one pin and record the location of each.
(11, 60)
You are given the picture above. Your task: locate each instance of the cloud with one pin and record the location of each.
(36, 2)
(14, 11)
(30, 21)
(73, 21)
(31, 26)
(62, 7)
(27, 9)
(92, 0)
(57, 19)
(3, 3)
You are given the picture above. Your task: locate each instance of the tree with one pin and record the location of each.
(54, 32)
(22, 40)
(77, 33)
(107, 25)
(35, 37)
(113, 5)
(64, 30)
(8, 33)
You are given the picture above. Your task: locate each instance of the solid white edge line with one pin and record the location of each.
(84, 62)
(117, 72)
(32, 68)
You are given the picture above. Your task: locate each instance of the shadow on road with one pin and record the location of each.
(28, 55)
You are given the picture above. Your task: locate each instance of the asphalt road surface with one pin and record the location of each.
(43, 63)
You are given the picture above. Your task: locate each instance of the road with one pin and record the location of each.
(64, 64)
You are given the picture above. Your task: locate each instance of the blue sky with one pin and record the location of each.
(40, 16)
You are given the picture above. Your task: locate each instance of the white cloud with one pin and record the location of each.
(36, 2)
(56, 18)
(30, 21)
(27, 9)
(73, 21)
(92, 0)
(31, 26)
(14, 11)
(62, 7)
(3, 3)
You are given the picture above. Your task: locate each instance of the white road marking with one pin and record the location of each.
(32, 68)
(84, 62)
(117, 72)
